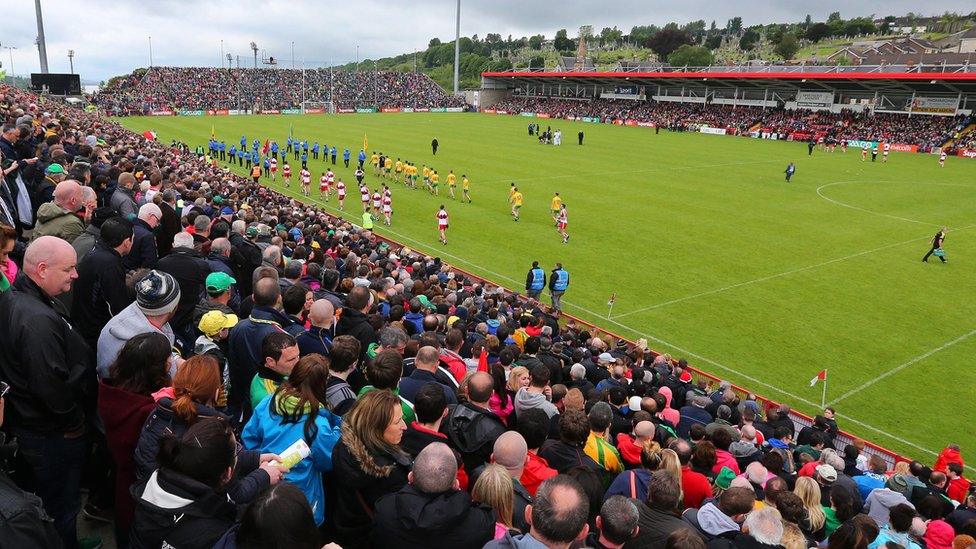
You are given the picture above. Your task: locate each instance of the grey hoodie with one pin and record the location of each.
(880, 502)
(524, 400)
(741, 449)
(524, 541)
(714, 522)
(121, 328)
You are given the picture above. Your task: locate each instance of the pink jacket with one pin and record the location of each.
(724, 459)
(669, 413)
(495, 403)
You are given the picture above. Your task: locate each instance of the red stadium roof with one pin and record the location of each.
(861, 79)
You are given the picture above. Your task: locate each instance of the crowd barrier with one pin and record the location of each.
(316, 110)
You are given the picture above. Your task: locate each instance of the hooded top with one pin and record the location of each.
(525, 400)
(710, 520)
(267, 432)
(174, 510)
(120, 329)
(411, 518)
(880, 502)
(53, 220)
(939, 535)
(668, 412)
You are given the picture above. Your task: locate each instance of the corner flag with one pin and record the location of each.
(365, 142)
(822, 376)
(213, 132)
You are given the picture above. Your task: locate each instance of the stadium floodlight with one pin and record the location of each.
(230, 61)
(71, 60)
(254, 47)
(41, 43)
(457, 46)
(10, 49)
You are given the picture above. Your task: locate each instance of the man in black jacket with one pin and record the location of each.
(190, 270)
(49, 368)
(144, 252)
(99, 292)
(245, 255)
(656, 519)
(353, 320)
(430, 511)
(170, 223)
(472, 426)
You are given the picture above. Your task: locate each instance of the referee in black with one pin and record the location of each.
(936, 245)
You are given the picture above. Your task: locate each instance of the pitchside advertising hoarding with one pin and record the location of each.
(967, 153)
(814, 100)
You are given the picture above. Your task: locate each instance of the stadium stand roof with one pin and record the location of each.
(904, 78)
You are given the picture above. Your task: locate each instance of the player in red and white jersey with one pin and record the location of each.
(286, 174)
(364, 197)
(306, 180)
(884, 152)
(324, 187)
(942, 158)
(377, 201)
(387, 205)
(843, 145)
(341, 193)
(442, 224)
(864, 153)
(274, 169)
(562, 221)
(330, 176)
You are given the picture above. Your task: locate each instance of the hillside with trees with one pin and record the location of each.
(696, 43)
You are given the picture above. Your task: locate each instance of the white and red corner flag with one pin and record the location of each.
(613, 298)
(822, 376)
(149, 134)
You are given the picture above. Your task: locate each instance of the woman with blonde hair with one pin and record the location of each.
(518, 377)
(814, 525)
(634, 482)
(368, 463)
(494, 489)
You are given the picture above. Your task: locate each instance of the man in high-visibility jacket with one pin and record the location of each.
(535, 281)
(558, 283)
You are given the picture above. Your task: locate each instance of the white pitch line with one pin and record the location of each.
(901, 367)
(646, 170)
(691, 354)
(777, 275)
(865, 210)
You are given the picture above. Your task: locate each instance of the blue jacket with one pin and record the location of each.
(417, 319)
(558, 280)
(417, 379)
(266, 433)
(315, 340)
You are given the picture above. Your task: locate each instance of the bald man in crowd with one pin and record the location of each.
(52, 379)
(557, 517)
(472, 426)
(143, 254)
(59, 217)
(430, 511)
(425, 368)
(318, 338)
(511, 452)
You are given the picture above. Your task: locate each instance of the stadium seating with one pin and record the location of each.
(398, 312)
(205, 88)
(926, 132)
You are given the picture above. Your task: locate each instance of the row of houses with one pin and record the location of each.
(958, 46)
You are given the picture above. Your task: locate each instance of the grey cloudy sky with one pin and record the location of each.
(110, 37)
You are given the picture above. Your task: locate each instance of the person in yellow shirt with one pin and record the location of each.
(434, 180)
(511, 192)
(388, 168)
(375, 161)
(426, 173)
(399, 170)
(465, 187)
(516, 203)
(597, 447)
(451, 184)
(555, 205)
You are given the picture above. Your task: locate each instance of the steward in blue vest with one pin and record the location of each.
(535, 280)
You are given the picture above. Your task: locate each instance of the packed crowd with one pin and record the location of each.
(927, 132)
(219, 365)
(210, 88)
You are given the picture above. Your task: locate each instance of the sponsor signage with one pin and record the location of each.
(367, 109)
(625, 90)
(858, 144)
(712, 131)
(270, 111)
(347, 110)
(501, 112)
(590, 119)
(219, 112)
(643, 124)
(191, 113)
(455, 109)
(630, 122)
(935, 105)
(314, 111)
(968, 153)
(543, 115)
(814, 100)
(161, 113)
(438, 109)
(904, 147)
(406, 109)
(428, 110)
(390, 109)
(529, 114)
(290, 111)
(489, 111)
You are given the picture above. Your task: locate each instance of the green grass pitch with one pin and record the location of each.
(712, 255)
